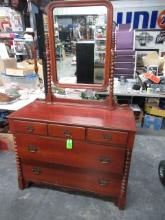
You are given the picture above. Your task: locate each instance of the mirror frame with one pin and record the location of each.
(107, 66)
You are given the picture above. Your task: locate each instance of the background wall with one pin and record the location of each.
(141, 14)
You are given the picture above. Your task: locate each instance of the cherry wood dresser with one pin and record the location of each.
(98, 160)
(81, 145)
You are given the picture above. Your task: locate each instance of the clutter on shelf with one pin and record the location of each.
(89, 94)
(152, 79)
(154, 63)
(4, 98)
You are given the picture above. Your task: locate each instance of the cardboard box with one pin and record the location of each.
(154, 110)
(153, 101)
(7, 63)
(18, 72)
(6, 142)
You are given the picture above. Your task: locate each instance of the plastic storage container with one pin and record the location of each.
(29, 81)
(152, 122)
(158, 87)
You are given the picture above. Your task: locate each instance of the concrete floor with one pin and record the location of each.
(145, 196)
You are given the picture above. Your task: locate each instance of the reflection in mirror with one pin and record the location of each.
(80, 42)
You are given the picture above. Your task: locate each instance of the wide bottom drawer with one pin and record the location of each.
(98, 183)
(82, 155)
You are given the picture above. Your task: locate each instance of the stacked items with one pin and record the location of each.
(154, 113)
(155, 64)
(20, 73)
(124, 53)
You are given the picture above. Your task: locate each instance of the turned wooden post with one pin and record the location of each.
(49, 95)
(112, 70)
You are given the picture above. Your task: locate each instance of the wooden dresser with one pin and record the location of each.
(98, 160)
(81, 145)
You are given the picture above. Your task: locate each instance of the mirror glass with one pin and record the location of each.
(80, 44)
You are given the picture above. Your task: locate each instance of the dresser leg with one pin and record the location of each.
(21, 183)
(122, 198)
(121, 203)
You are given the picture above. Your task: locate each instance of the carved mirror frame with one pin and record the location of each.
(51, 51)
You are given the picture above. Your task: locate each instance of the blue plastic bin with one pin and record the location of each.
(29, 81)
(152, 122)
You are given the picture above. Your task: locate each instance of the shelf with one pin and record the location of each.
(101, 25)
(100, 46)
(100, 51)
(99, 65)
(23, 40)
(100, 38)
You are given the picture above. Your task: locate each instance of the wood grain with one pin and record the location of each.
(83, 155)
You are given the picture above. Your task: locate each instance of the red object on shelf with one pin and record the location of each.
(152, 77)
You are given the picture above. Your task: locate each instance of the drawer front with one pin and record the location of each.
(104, 184)
(107, 136)
(66, 131)
(29, 127)
(90, 156)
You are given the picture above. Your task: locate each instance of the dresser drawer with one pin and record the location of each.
(66, 131)
(83, 155)
(107, 136)
(29, 127)
(99, 183)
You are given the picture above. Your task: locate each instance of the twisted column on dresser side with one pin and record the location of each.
(122, 196)
(21, 181)
(49, 95)
(112, 69)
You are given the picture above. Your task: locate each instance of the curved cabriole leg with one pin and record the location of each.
(122, 197)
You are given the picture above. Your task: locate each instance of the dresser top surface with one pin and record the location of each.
(81, 115)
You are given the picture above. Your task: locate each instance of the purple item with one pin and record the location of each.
(124, 52)
(124, 71)
(124, 27)
(126, 58)
(124, 65)
(126, 76)
(124, 40)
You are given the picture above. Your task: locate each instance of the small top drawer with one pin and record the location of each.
(30, 127)
(66, 131)
(107, 136)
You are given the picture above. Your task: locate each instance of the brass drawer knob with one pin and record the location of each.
(32, 149)
(30, 129)
(103, 182)
(105, 160)
(36, 170)
(107, 136)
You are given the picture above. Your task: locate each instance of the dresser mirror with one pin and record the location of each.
(80, 43)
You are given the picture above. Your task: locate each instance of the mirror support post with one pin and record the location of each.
(49, 95)
(112, 71)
